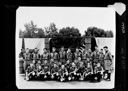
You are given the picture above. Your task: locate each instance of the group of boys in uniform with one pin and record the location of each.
(68, 66)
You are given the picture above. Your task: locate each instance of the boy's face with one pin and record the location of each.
(44, 50)
(105, 49)
(105, 76)
(62, 49)
(88, 65)
(36, 50)
(40, 67)
(27, 50)
(55, 65)
(89, 50)
(77, 50)
(73, 64)
(81, 64)
(79, 58)
(98, 64)
(45, 61)
(68, 61)
(96, 48)
(69, 50)
(53, 49)
(62, 66)
(39, 62)
(31, 65)
(34, 61)
(101, 51)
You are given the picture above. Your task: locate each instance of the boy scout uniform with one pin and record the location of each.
(45, 56)
(53, 57)
(84, 58)
(107, 61)
(27, 60)
(62, 57)
(76, 56)
(69, 56)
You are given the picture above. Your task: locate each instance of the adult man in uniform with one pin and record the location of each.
(107, 63)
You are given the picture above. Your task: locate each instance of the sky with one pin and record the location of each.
(78, 17)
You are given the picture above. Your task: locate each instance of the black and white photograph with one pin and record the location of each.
(65, 47)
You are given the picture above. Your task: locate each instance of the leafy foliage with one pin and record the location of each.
(97, 32)
(32, 31)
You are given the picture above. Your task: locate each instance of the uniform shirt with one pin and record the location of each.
(30, 69)
(81, 69)
(69, 56)
(108, 56)
(95, 55)
(84, 55)
(98, 69)
(27, 56)
(62, 55)
(46, 67)
(45, 55)
(54, 69)
(36, 56)
(107, 61)
(21, 55)
(101, 56)
(54, 55)
(89, 55)
(89, 69)
(71, 69)
(77, 54)
(62, 71)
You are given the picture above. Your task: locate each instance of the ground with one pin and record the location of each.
(23, 84)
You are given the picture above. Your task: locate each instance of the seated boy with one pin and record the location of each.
(62, 73)
(30, 72)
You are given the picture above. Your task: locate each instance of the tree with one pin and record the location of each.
(21, 33)
(70, 32)
(97, 32)
(31, 31)
(51, 30)
(30, 28)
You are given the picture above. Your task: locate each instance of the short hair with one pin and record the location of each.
(96, 46)
(45, 48)
(62, 46)
(105, 47)
(54, 47)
